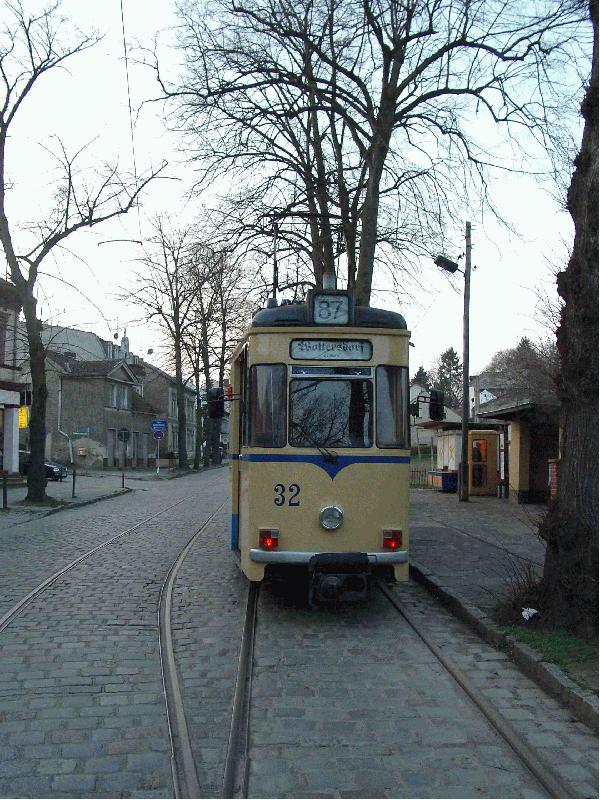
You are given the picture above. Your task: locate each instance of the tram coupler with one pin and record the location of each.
(336, 577)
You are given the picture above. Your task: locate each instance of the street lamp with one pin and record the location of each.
(451, 266)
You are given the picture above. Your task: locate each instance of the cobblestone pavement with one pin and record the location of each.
(208, 616)
(89, 487)
(81, 707)
(487, 537)
(348, 702)
(37, 548)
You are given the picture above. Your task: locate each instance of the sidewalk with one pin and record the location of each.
(87, 490)
(90, 487)
(466, 554)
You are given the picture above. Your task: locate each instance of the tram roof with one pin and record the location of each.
(297, 315)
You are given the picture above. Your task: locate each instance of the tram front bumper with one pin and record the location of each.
(302, 557)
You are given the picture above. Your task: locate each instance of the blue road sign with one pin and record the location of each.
(159, 434)
(159, 425)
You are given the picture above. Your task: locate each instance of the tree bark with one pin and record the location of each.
(570, 580)
(181, 409)
(36, 473)
(370, 213)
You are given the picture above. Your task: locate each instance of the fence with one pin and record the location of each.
(418, 478)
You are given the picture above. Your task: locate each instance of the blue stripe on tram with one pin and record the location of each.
(235, 532)
(331, 468)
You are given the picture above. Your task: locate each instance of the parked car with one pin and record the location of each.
(54, 470)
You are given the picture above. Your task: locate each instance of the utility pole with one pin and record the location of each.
(275, 264)
(464, 457)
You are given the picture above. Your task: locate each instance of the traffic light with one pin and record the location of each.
(216, 403)
(436, 405)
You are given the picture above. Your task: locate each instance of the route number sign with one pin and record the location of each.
(331, 309)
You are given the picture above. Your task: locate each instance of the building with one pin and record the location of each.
(95, 417)
(533, 444)
(101, 401)
(11, 380)
(160, 390)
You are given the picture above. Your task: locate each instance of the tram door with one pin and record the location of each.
(483, 462)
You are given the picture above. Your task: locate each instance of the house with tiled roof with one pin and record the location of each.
(95, 416)
(101, 401)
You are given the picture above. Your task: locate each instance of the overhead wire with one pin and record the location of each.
(135, 175)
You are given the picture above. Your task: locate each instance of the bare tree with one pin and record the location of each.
(220, 311)
(357, 115)
(165, 291)
(31, 47)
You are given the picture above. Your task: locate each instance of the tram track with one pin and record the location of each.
(15, 610)
(183, 767)
(237, 761)
(182, 763)
(25, 601)
(542, 771)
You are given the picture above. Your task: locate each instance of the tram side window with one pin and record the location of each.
(267, 405)
(392, 406)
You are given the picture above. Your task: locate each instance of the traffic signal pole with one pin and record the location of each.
(464, 455)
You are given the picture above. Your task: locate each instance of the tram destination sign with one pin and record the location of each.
(331, 349)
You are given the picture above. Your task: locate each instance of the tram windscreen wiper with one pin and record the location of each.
(329, 455)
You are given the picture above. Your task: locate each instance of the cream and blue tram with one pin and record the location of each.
(320, 444)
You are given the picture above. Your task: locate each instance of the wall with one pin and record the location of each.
(519, 460)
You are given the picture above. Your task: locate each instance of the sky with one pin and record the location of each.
(88, 103)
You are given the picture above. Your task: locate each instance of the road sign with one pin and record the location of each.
(159, 425)
(158, 435)
(123, 435)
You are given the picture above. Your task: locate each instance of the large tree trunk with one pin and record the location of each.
(370, 213)
(181, 409)
(36, 473)
(570, 581)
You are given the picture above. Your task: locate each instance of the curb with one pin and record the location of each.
(549, 677)
(66, 506)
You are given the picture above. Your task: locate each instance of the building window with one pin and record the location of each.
(191, 440)
(173, 404)
(190, 409)
(118, 396)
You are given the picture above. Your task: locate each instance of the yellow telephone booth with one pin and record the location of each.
(483, 462)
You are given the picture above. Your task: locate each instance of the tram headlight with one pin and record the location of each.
(331, 518)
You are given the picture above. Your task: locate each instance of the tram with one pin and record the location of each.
(320, 444)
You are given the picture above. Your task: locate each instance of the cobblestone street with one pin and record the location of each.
(81, 705)
(346, 701)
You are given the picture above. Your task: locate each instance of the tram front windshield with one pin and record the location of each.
(328, 413)
(332, 411)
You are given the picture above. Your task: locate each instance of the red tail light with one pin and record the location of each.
(392, 540)
(268, 538)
